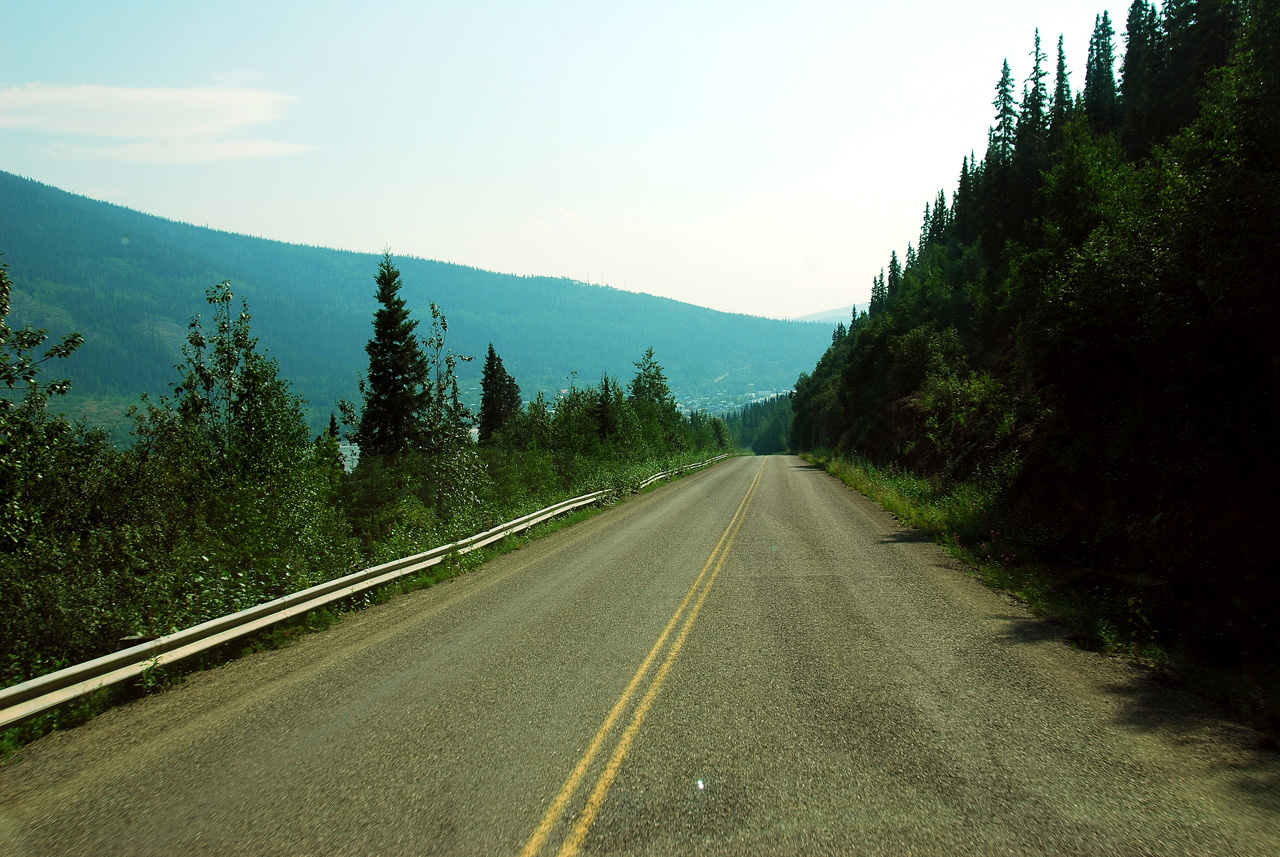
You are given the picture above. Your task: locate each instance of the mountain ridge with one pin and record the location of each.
(130, 281)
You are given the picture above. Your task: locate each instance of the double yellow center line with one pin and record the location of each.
(696, 595)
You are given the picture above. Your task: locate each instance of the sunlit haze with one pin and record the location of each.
(762, 158)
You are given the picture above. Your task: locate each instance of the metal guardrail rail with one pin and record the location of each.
(48, 691)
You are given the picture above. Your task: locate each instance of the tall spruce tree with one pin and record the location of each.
(1139, 78)
(499, 396)
(879, 295)
(654, 404)
(396, 395)
(1035, 106)
(1060, 112)
(1031, 140)
(939, 220)
(963, 214)
(1000, 150)
(997, 165)
(1100, 100)
(649, 386)
(607, 408)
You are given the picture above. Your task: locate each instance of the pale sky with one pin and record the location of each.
(757, 157)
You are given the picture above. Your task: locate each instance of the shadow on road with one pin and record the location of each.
(1020, 629)
(1185, 720)
(906, 537)
(1176, 717)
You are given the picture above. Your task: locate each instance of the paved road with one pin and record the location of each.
(752, 660)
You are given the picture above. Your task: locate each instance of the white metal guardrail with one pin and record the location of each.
(48, 691)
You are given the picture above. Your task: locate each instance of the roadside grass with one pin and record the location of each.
(1098, 618)
(283, 634)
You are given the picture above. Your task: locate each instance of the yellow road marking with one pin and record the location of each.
(570, 787)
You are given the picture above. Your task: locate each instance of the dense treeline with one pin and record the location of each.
(224, 499)
(127, 281)
(764, 427)
(1080, 351)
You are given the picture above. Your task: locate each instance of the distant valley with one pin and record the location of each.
(130, 283)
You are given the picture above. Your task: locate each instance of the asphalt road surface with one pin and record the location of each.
(751, 660)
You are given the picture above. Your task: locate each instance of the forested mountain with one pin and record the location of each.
(130, 282)
(1081, 350)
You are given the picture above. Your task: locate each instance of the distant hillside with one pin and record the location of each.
(130, 282)
(834, 316)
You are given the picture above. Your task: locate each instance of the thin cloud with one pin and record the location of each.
(167, 125)
(185, 151)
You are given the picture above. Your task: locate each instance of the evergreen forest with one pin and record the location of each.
(764, 427)
(1076, 365)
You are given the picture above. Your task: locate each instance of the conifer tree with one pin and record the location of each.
(962, 205)
(1000, 150)
(895, 276)
(1031, 140)
(966, 209)
(941, 221)
(1061, 109)
(395, 393)
(879, 294)
(1034, 115)
(1139, 81)
(1100, 101)
(997, 165)
(606, 408)
(649, 386)
(499, 396)
(654, 404)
